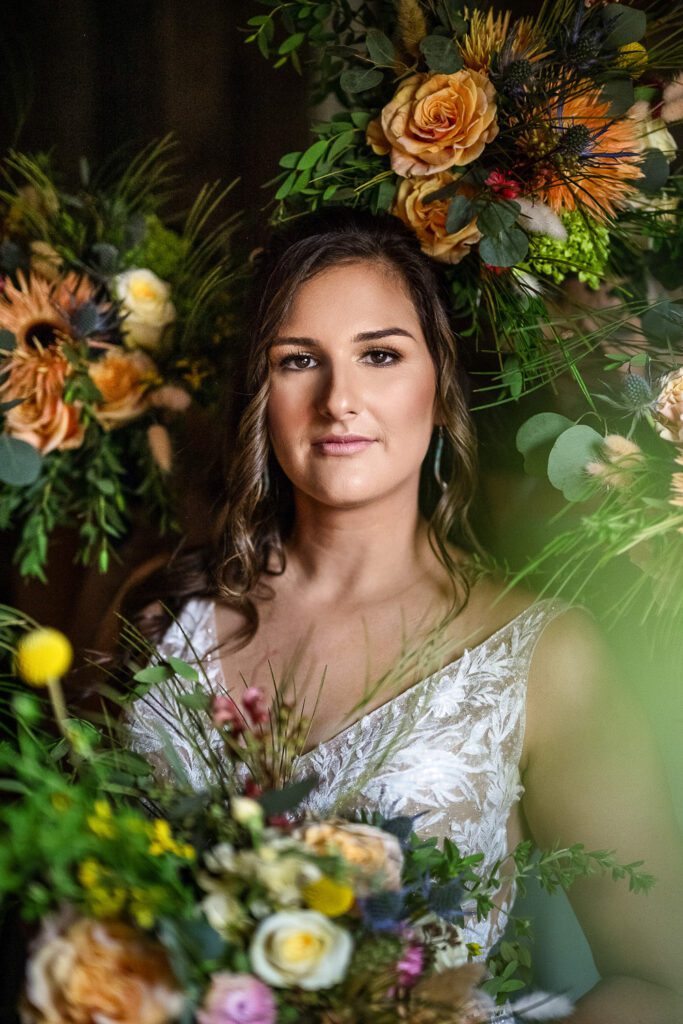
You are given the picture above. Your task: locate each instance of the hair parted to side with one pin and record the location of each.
(256, 521)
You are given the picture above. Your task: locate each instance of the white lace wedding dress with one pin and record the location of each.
(448, 747)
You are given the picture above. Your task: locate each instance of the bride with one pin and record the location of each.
(352, 476)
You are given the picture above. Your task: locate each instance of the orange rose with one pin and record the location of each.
(95, 971)
(374, 855)
(436, 121)
(43, 419)
(123, 379)
(428, 220)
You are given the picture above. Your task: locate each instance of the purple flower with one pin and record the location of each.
(410, 965)
(237, 999)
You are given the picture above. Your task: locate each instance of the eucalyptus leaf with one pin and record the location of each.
(535, 438)
(655, 168)
(496, 218)
(277, 801)
(620, 95)
(504, 250)
(20, 463)
(570, 454)
(380, 48)
(623, 25)
(441, 54)
(460, 213)
(360, 79)
(8, 342)
(663, 323)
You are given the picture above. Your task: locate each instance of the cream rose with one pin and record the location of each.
(145, 298)
(374, 856)
(428, 220)
(94, 971)
(436, 121)
(123, 379)
(668, 407)
(300, 947)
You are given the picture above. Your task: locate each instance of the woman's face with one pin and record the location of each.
(350, 360)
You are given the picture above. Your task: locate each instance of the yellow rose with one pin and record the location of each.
(123, 380)
(300, 947)
(428, 220)
(145, 298)
(92, 971)
(374, 856)
(436, 121)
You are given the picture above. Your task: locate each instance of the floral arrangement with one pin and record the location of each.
(528, 152)
(111, 325)
(148, 902)
(627, 494)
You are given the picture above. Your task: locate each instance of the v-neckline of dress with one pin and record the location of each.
(413, 690)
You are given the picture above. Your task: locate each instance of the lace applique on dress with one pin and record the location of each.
(447, 748)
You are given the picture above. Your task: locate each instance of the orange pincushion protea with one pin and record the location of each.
(600, 175)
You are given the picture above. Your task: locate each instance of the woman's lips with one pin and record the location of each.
(342, 447)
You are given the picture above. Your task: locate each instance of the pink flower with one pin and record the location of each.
(411, 965)
(255, 705)
(238, 999)
(502, 185)
(224, 711)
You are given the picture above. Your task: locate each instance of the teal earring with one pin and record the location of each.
(443, 484)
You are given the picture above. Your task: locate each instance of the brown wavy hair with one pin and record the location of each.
(257, 513)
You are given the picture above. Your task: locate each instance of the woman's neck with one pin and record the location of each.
(361, 555)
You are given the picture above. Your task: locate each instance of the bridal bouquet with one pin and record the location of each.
(151, 903)
(111, 324)
(528, 152)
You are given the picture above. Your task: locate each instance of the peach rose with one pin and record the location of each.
(428, 220)
(123, 379)
(43, 419)
(92, 971)
(375, 856)
(668, 408)
(436, 121)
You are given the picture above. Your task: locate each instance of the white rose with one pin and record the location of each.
(145, 298)
(224, 913)
(246, 811)
(300, 947)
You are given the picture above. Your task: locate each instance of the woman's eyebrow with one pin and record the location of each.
(385, 332)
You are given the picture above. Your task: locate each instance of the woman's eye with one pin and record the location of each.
(382, 356)
(298, 361)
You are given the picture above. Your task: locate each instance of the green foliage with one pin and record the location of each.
(584, 252)
(20, 463)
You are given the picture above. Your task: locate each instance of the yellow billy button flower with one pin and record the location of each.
(632, 58)
(101, 821)
(43, 655)
(328, 897)
(162, 841)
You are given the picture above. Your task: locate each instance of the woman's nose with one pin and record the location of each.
(340, 391)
